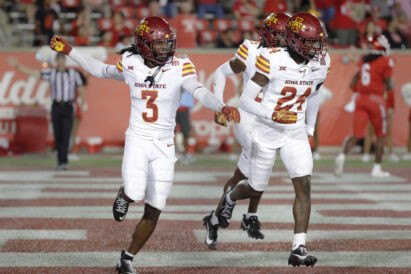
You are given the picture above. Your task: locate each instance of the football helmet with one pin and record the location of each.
(306, 36)
(272, 31)
(378, 44)
(155, 40)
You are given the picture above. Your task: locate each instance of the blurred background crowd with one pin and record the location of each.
(198, 23)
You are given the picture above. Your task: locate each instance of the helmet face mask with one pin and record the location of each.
(305, 36)
(272, 31)
(155, 40)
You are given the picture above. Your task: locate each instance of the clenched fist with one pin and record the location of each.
(284, 116)
(227, 114)
(60, 45)
(220, 119)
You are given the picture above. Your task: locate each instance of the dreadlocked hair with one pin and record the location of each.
(132, 49)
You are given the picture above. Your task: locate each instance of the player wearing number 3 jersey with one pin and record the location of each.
(156, 79)
(290, 79)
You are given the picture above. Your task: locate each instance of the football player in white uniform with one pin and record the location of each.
(272, 34)
(290, 79)
(156, 80)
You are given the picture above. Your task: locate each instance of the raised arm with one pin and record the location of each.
(26, 70)
(227, 69)
(89, 64)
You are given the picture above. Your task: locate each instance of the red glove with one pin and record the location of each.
(60, 45)
(284, 116)
(231, 114)
(220, 119)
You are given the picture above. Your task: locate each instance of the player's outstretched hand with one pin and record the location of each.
(220, 119)
(284, 116)
(60, 45)
(231, 114)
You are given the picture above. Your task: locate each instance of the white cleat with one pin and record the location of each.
(365, 158)
(316, 156)
(406, 157)
(378, 173)
(393, 158)
(339, 165)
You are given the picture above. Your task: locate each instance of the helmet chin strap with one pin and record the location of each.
(151, 78)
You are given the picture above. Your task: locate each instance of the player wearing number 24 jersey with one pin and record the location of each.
(272, 34)
(290, 79)
(156, 79)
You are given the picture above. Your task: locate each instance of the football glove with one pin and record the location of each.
(284, 116)
(231, 114)
(60, 45)
(220, 119)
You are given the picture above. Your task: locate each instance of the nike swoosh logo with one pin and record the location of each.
(122, 218)
(207, 239)
(314, 69)
(300, 256)
(164, 70)
(169, 145)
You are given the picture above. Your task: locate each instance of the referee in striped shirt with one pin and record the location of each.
(63, 84)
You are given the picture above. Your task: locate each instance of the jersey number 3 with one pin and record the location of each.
(290, 93)
(151, 96)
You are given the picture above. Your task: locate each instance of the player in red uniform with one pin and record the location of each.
(372, 79)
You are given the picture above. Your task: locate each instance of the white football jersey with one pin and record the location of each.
(247, 52)
(289, 83)
(153, 110)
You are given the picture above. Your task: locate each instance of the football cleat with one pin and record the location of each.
(211, 232)
(252, 226)
(226, 210)
(300, 256)
(125, 265)
(120, 207)
(378, 173)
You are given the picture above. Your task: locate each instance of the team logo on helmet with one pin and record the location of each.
(297, 24)
(141, 28)
(271, 20)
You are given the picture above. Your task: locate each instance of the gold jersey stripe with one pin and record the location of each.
(242, 55)
(189, 73)
(119, 65)
(263, 65)
(260, 67)
(263, 61)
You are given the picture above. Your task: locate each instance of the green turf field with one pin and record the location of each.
(212, 160)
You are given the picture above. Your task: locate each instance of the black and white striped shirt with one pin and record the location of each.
(63, 84)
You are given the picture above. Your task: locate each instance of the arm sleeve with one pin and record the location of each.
(249, 104)
(220, 76)
(313, 104)
(206, 97)
(95, 67)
